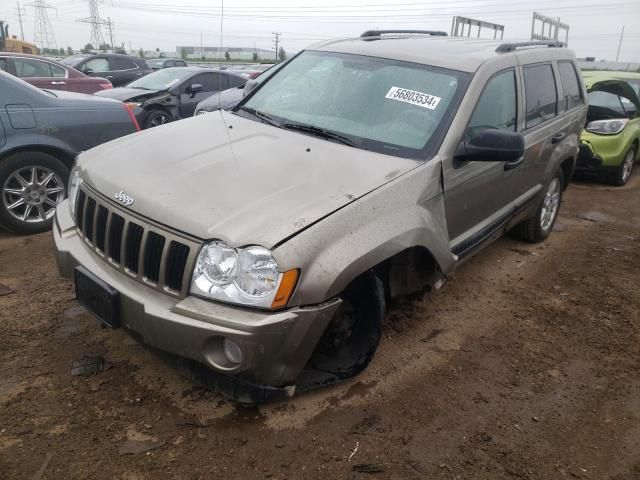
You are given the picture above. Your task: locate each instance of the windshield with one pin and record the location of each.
(162, 79)
(73, 60)
(393, 107)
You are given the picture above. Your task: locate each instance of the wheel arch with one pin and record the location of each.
(568, 166)
(65, 156)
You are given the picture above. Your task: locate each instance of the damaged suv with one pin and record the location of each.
(263, 246)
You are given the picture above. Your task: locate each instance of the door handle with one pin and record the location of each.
(515, 164)
(58, 83)
(558, 137)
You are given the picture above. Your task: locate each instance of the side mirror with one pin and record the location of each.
(249, 86)
(86, 70)
(492, 145)
(194, 88)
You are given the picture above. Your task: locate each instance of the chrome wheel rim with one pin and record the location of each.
(550, 205)
(161, 120)
(627, 165)
(31, 194)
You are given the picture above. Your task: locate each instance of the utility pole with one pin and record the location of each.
(620, 44)
(110, 27)
(277, 41)
(201, 48)
(20, 19)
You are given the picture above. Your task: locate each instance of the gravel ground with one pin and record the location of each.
(525, 366)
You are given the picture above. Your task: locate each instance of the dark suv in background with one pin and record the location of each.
(118, 69)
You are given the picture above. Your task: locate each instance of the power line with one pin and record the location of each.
(96, 39)
(43, 31)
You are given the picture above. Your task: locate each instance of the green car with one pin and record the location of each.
(609, 144)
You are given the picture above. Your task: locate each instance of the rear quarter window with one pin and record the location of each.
(541, 94)
(571, 93)
(118, 63)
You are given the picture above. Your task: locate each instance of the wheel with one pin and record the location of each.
(157, 118)
(351, 338)
(623, 172)
(539, 226)
(32, 183)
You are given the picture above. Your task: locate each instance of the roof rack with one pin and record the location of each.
(379, 33)
(513, 46)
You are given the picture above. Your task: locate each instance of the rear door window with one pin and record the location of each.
(26, 68)
(497, 105)
(96, 65)
(119, 63)
(572, 96)
(541, 94)
(3, 65)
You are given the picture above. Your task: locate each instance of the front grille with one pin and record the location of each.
(153, 255)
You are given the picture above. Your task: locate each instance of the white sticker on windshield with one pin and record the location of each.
(173, 82)
(414, 98)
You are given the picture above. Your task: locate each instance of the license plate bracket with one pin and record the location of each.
(100, 298)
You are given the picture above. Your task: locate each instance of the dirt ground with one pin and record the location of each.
(526, 365)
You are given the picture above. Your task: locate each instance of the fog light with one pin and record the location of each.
(232, 351)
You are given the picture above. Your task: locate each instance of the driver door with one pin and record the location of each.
(478, 195)
(211, 82)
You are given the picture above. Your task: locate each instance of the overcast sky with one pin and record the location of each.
(595, 25)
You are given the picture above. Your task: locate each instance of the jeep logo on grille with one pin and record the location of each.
(124, 198)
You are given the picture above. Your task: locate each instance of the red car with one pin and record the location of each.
(47, 73)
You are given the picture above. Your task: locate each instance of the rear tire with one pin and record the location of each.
(157, 118)
(538, 227)
(31, 184)
(623, 172)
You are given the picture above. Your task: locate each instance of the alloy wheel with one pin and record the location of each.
(159, 120)
(627, 165)
(550, 205)
(30, 194)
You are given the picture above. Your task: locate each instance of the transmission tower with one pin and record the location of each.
(96, 23)
(43, 31)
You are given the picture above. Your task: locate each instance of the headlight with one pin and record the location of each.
(73, 187)
(607, 127)
(246, 276)
(132, 104)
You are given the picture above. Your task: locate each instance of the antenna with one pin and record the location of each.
(97, 39)
(43, 31)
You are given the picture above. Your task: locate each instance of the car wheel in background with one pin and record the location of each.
(157, 118)
(623, 172)
(31, 185)
(539, 226)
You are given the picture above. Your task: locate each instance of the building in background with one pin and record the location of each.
(235, 53)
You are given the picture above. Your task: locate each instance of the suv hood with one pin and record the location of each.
(616, 87)
(221, 176)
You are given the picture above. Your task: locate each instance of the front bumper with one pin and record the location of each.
(275, 345)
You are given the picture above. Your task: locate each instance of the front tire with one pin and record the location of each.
(351, 338)
(31, 185)
(623, 172)
(539, 226)
(157, 118)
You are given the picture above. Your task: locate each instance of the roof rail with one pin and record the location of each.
(379, 33)
(513, 46)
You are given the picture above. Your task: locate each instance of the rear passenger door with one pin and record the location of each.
(549, 136)
(40, 73)
(123, 71)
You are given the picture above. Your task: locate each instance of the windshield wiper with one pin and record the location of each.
(261, 115)
(319, 132)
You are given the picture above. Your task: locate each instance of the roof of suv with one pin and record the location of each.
(456, 53)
